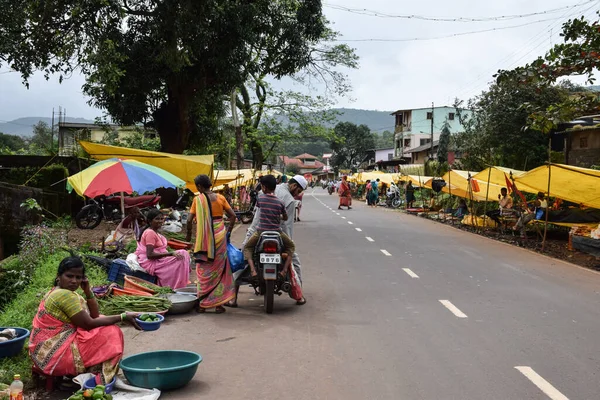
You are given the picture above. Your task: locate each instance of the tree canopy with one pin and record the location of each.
(351, 145)
(578, 54)
(166, 63)
(495, 131)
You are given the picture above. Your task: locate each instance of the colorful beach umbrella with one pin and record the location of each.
(121, 176)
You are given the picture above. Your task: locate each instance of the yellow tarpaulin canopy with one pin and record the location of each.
(497, 178)
(575, 184)
(241, 177)
(457, 184)
(183, 167)
(416, 180)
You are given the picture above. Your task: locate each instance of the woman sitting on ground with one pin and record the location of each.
(69, 337)
(172, 268)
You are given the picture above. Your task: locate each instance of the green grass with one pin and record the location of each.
(20, 312)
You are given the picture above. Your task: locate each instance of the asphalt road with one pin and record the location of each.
(399, 308)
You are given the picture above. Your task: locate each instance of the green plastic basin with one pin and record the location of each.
(164, 370)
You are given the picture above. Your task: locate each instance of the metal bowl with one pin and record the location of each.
(182, 303)
(187, 290)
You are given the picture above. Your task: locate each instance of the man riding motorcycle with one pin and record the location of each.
(286, 193)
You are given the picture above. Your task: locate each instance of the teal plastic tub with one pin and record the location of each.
(164, 370)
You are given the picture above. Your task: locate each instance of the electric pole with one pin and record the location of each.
(431, 130)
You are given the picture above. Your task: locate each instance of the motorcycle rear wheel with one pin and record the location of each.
(269, 296)
(396, 202)
(89, 217)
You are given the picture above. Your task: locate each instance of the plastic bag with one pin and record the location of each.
(296, 292)
(235, 256)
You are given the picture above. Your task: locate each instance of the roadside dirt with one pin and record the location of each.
(556, 243)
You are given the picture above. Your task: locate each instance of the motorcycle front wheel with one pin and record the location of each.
(396, 203)
(89, 217)
(269, 296)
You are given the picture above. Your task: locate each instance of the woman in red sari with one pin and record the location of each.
(69, 336)
(215, 280)
(345, 194)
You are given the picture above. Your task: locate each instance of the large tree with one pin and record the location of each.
(578, 54)
(351, 145)
(257, 99)
(494, 128)
(167, 63)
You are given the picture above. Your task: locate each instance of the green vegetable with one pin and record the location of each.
(120, 304)
(156, 288)
(98, 395)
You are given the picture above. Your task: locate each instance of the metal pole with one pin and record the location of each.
(432, 130)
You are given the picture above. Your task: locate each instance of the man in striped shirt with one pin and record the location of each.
(272, 212)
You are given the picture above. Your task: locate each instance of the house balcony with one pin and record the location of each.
(403, 128)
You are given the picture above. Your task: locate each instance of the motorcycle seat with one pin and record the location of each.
(139, 200)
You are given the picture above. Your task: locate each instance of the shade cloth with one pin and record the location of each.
(575, 184)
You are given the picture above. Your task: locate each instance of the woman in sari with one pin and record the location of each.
(345, 194)
(69, 336)
(171, 268)
(215, 280)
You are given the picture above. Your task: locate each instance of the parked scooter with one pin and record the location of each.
(394, 199)
(109, 208)
(269, 262)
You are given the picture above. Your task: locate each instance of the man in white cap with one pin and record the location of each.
(286, 193)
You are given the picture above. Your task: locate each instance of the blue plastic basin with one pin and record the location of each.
(91, 383)
(14, 346)
(150, 326)
(164, 370)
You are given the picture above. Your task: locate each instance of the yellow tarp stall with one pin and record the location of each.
(497, 178)
(183, 167)
(221, 177)
(575, 184)
(419, 181)
(242, 177)
(457, 184)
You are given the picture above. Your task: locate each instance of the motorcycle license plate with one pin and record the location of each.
(270, 258)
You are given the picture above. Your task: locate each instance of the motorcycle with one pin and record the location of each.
(109, 208)
(269, 262)
(393, 199)
(331, 189)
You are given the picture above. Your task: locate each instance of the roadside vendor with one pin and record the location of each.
(505, 203)
(539, 211)
(69, 335)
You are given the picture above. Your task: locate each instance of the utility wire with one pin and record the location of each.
(372, 13)
(446, 36)
(534, 43)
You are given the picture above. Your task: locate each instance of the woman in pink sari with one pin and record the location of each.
(215, 280)
(69, 336)
(171, 268)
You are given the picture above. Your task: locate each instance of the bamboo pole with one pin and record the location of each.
(487, 195)
(450, 190)
(548, 193)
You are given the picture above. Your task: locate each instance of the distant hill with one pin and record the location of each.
(24, 126)
(378, 121)
(595, 88)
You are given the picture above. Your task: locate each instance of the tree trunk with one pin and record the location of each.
(257, 155)
(172, 120)
(239, 147)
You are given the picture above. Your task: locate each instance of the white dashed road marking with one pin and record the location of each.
(343, 217)
(453, 309)
(358, 230)
(369, 239)
(542, 384)
(410, 273)
(387, 253)
(350, 222)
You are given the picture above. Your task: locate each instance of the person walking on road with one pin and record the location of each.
(215, 280)
(345, 194)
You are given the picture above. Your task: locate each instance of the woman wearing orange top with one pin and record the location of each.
(215, 280)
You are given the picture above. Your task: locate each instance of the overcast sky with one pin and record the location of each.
(392, 75)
